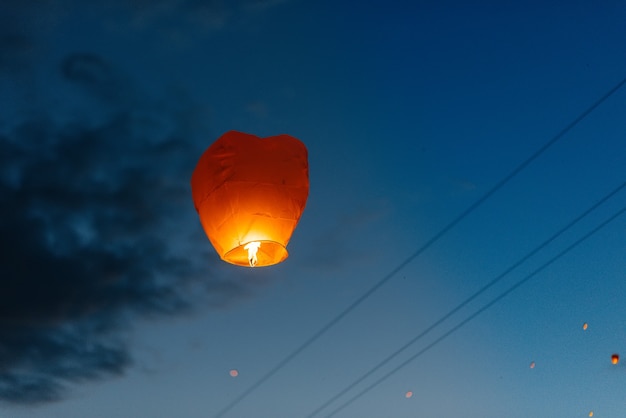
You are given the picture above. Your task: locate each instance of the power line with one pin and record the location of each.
(468, 300)
(479, 311)
(423, 248)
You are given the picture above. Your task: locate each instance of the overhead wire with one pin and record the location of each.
(421, 249)
(465, 302)
(480, 310)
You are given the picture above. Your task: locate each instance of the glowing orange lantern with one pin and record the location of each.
(615, 358)
(250, 193)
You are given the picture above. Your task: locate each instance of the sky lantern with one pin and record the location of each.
(615, 358)
(250, 193)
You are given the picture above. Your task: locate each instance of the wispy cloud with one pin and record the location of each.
(345, 240)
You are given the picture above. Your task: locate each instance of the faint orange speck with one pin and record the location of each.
(532, 364)
(591, 413)
(234, 373)
(408, 394)
(615, 358)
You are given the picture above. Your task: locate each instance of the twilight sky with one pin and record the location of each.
(114, 304)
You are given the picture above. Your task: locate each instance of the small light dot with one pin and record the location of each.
(591, 413)
(615, 358)
(408, 394)
(532, 364)
(585, 326)
(234, 373)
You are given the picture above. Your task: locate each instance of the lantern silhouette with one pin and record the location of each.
(615, 358)
(250, 193)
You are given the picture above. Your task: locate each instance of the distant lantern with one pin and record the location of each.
(409, 394)
(234, 373)
(250, 193)
(532, 364)
(590, 413)
(615, 358)
(585, 326)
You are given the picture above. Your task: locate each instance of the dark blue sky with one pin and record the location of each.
(113, 302)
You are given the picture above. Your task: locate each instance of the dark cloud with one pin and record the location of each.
(258, 5)
(89, 70)
(209, 14)
(21, 25)
(95, 233)
(15, 51)
(97, 78)
(16, 43)
(38, 359)
(26, 27)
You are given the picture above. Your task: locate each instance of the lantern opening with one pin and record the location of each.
(252, 248)
(266, 253)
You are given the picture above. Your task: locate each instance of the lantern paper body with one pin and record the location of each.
(248, 189)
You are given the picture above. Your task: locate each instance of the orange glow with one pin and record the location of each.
(250, 193)
(615, 358)
(532, 364)
(591, 413)
(234, 373)
(585, 326)
(408, 394)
